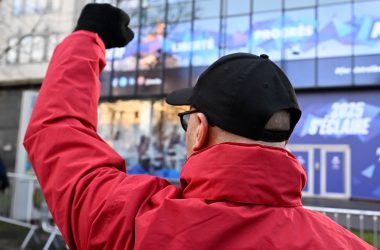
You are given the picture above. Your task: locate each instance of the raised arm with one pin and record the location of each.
(92, 200)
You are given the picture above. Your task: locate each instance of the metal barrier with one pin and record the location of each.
(361, 220)
(22, 204)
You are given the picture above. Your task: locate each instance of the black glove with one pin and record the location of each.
(109, 22)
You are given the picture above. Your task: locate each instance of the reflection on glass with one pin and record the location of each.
(298, 34)
(335, 31)
(205, 41)
(126, 126)
(267, 34)
(237, 34)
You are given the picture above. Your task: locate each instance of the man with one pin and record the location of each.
(240, 189)
(4, 182)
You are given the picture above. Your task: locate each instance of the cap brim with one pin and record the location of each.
(180, 97)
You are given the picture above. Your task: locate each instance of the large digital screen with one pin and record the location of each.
(335, 30)
(206, 38)
(178, 44)
(237, 34)
(267, 34)
(342, 132)
(324, 46)
(298, 34)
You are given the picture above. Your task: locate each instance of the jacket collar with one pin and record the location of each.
(244, 173)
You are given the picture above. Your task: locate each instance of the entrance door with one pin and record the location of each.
(328, 169)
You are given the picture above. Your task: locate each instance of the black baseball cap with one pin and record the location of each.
(239, 93)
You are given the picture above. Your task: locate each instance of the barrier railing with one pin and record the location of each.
(22, 204)
(352, 219)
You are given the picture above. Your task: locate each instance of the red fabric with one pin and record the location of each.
(233, 196)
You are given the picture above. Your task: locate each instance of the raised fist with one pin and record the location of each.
(109, 22)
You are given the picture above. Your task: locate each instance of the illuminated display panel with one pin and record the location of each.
(124, 68)
(149, 78)
(177, 46)
(205, 41)
(349, 118)
(298, 35)
(367, 43)
(341, 48)
(266, 34)
(335, 40)
(335, 31)
(237, 34)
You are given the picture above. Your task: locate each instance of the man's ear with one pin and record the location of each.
(201, 132)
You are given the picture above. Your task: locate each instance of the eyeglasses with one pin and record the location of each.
(185, 116)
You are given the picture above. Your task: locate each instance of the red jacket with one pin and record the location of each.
(232, 196)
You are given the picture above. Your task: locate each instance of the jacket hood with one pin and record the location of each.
(244, 173)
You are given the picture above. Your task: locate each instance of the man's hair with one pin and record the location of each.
(279, 121)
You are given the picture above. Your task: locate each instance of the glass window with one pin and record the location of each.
(335, 71)
(207, 8)
(335, 31)
(205, 41)
(25, 49)
(53, 41)
(234, 8)
(267, 5)
(332, 1)
(17, 7)
(237, 34)
(152, 15)
(113, 2)
(132, 8)
(299, 3)
(41, 6)
(367, 35)
(153, 2)
(177, 1)
(38, 49)
(13, 51)
(267, 34)
(55, 5)
(366, 70)
(30, 7)
(151, 46)
(178, 12)
(129, 4)
(298, 34)
(125, 59)
(178, 45)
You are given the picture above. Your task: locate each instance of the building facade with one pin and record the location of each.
(330, 50)
(30, 30)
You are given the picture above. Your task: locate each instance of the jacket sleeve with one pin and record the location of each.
(92, 200)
